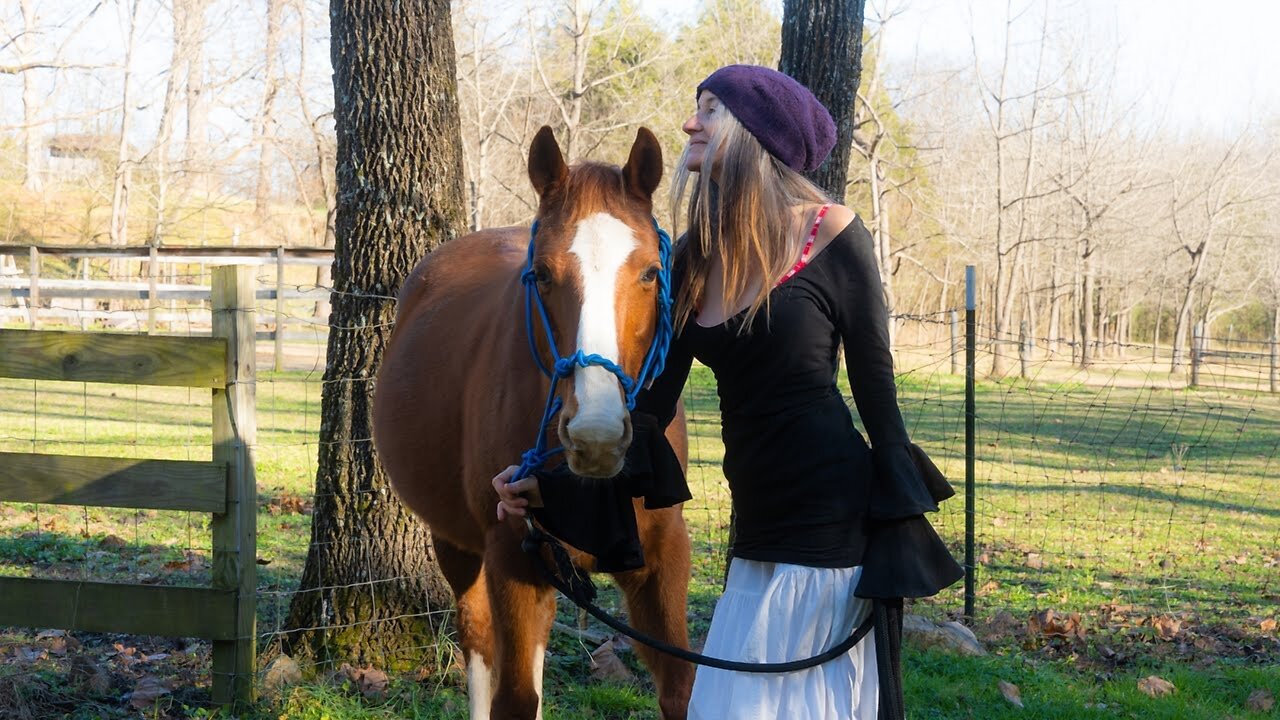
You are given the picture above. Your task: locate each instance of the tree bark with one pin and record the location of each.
(822, 48)
(371, 592)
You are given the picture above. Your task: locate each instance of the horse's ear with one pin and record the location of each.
(643, 170)
(546, 164)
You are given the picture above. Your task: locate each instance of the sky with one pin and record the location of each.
(1192, 65)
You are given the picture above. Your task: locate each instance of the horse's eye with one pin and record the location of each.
(541, 275)
(650, 275)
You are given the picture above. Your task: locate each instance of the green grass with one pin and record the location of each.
(1139, 507)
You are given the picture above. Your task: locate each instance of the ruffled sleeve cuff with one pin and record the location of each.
(904, 556)
(653, 471)
(907, 483)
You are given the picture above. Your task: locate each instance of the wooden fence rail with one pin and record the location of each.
(226, 487)
(32, 290)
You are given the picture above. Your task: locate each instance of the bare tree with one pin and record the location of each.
(1012, 203)
(195, 146)
(486, 88)
(30, 101)
(595, 59)
(1206, 199)
(184, 43)
(266, 121)
(124, 163)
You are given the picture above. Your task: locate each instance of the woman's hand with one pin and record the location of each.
(514, 497)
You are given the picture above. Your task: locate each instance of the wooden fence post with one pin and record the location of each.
(153, 280)
(1196, 341)
(85, 303)
(1275, 364)
(33, 295)
(279, 333)
(234, 438)
(1023, 348)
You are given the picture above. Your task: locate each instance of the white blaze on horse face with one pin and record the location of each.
(602, 244)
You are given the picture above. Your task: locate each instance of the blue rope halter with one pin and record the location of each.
(564, 366)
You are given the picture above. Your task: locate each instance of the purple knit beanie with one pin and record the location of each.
(778, 111)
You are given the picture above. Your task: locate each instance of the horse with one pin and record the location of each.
(459, 396)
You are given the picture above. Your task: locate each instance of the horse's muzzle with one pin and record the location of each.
(596, 447)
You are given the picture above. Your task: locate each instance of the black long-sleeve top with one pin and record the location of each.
(806, 487)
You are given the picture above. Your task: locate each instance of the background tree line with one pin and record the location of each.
(206, 121)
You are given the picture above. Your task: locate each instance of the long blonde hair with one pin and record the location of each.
(746, 215)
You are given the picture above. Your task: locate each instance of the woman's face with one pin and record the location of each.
(700, 127)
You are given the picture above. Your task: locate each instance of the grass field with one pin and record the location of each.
(1123, 530)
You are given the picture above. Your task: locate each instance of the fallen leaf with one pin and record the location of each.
(89, 673)
(1053, 624)
(282, 672)
(372, 684)
(112, 541)
(1167, 628)
(1011, 693)
(1268, 625)
(1156, 686)
(1260, 701)
(29, 654)
(605, 664)
(289, 503)
(147, 691)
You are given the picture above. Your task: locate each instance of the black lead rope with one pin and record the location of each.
(576, 585)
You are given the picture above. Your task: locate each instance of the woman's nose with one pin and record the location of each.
(691, 125)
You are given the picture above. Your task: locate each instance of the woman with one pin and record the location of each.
(771, 279)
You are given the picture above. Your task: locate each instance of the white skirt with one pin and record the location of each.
(775, 612)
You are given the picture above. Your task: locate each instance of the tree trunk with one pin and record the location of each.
(822, 48)
(196, 171)
(164, 137)
(371, 591)
(31, 150)
(119, 229)
(1055, 304)
(1086, 306)
(266, 114)
(1182, 324)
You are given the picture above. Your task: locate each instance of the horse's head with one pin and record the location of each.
(596, 262)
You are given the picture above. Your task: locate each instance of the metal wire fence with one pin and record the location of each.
(1114, 492)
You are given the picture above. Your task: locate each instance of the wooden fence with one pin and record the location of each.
(34, 290)
(225, 487)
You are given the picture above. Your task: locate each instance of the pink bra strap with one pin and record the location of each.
(808, 246)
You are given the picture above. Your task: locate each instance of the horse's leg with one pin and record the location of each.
(523, 608)
(463, 570)
(657, 598)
